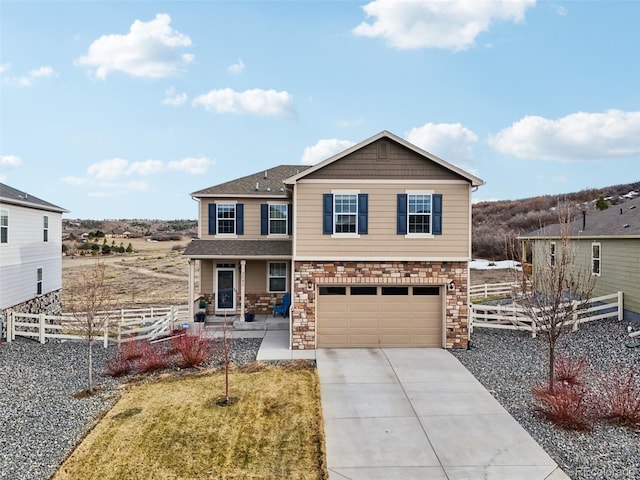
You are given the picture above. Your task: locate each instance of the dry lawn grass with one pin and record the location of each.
(173, 429)
(155, 275)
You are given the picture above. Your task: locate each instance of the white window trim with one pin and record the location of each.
(45, 228)
(269, 277)
(599, 245)
(40, 282)
(7, 226)
(286, 221)
(420, 235)
(235, 220)
(346, 234)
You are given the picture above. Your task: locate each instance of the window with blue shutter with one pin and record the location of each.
(264, 219)
(363, 213)
(402, 214)
(290, 219)
(327, 213)
(213, 219)
(240, 219)
(419, 214)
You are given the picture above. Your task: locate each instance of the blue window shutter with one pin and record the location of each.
(239, 219)
(363, 213)
(290, 219)
(212, 219)
(327, 213)
(264, 219)
(436, 215)
(402, 214)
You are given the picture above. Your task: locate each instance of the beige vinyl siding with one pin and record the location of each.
(206, 275)
(382, 241)
(251, 216)
(256, 276)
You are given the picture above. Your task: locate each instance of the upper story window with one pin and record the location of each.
(419, 214)
(278, 219)
(4, 226)
(45, 228)
(595, 258)
(345, 213)
(226, 218)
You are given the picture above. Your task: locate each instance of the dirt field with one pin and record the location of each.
(154, 275)
(157, 275)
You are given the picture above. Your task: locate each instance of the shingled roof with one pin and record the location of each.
(269, 182)
(622, 220)
(10, 195)
(239, 249)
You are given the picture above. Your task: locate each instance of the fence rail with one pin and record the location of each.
(115, 326)
(514, 317)
(494, 289)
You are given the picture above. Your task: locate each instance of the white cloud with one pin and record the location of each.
(192, 165)
(73, 180)
(578, 136)
(149, 50)
(109, 169)
(28, 79)
(4, 67)
(454, 24)
(148, 167)
(10, 161)
(324, 149)
(450, 141)
(137, 185)
(236, 68)
(255, 101)
(173, 98)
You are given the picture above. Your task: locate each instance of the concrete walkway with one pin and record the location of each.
(396, 413)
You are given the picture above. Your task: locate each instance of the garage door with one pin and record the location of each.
(371, 316)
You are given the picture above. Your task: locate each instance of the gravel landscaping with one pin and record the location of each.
(510, 363)
(40, 419)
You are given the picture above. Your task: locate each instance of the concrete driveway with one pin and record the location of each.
(417, 413)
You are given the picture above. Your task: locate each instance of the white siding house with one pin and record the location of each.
(30, 253)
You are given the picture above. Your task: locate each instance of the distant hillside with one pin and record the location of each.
(134, 228)
(495, 224)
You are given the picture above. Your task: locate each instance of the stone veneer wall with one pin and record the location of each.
(303, 330)
(48, 303)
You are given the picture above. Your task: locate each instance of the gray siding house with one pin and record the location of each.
(607, 240)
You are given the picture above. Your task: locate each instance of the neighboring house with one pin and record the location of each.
(373, 245)
(30, 253)
(607, 242)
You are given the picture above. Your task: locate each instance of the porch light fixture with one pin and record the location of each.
(309, 284)
(452, 286)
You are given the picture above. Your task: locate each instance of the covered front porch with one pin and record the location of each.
(240, 280)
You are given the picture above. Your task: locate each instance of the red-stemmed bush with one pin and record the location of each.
(131, 350)
(566, 406)
(152, 359)
(618, 397)
(194, 348)
(570, 371)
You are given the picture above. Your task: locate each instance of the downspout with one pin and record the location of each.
(294, 223)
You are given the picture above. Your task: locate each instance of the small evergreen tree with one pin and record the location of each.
(602, 203)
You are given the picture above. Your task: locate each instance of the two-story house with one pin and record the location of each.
(30, 253)
(372, 244)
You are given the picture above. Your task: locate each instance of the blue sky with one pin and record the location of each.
(121, 109)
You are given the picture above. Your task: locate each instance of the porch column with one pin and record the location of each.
(192, 294)
(243, 264)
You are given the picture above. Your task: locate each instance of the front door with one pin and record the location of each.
(225, 290)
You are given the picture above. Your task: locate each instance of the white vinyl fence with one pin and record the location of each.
(494, 289)
(117, 326)
(513, 316)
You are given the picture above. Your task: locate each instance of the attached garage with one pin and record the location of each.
(375, 315)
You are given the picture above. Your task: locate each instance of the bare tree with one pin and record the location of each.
(89, 301)
(562, 285)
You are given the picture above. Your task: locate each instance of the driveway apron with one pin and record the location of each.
(417, 413)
